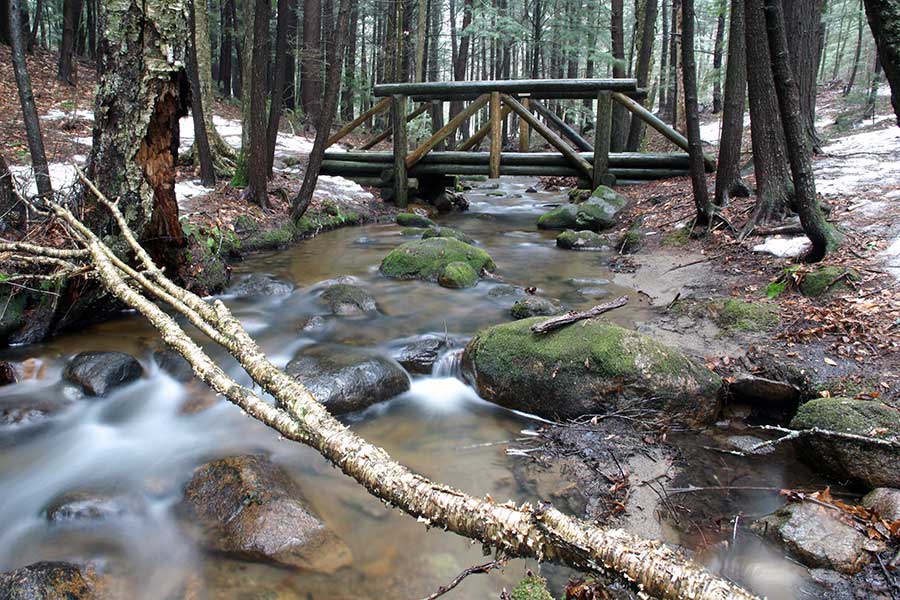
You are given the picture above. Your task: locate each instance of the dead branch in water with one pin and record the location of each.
(473, 570)
(514, 530)
(573, 316)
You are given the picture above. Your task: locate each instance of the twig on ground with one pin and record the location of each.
(474, 570)
(571, 317)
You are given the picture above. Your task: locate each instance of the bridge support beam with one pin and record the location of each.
(398, 123)
(524, 142)
(496, 137)
(602, 130)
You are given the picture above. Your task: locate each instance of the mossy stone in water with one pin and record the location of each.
(825, 281)
(561, 217)
(458, 275)
(414, 220)
(533, 306)
(587, 367)
(861, 460)
(447, 232)
(581, 240)
(600, 210)
(427, 259)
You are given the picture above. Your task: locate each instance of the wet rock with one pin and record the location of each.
(531, 190)
(599, 211)
(744, 443)
(458, 275)
(534, 306)
(427, 259)
(47, 581)
(414, 220)
(447, 232)
(420, 354)
(260, 284)
(588, 367)
(347, 379)
(581, 240)
(346, 299)
(93, 505)
(174, 365)
(23, 410)
(504, 291)
(763, 392)
(858, 459)
(248, 507)
(7, 373)
(313, 324)
(885, 502)
(817, 537)
(98, 373)
(561, 217)
(828, 280)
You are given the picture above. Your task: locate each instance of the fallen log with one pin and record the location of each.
(574, 316)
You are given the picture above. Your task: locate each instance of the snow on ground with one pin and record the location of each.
(56, 114)
(62, 176)
(712, 131)
(859, 163)
(784, 247)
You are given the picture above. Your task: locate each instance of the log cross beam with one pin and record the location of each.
(390, 130)
(426, 147)
(582, 144)
(557, 142)
(479, 135)
(346, 129)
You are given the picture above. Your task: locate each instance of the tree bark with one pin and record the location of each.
(692, 116)
(884, 20)
(256, 154)
(619, 130)
(66, 67)
(664, 62)
(460, 62)
(717, 61)
(277, 96)
(311, 61)
(855, 67)
(227, 28)
(36, 25)
(290, 61)
(12, 211)
(822, 235)
(201, 140)
(26, 102)
(728, 174)
(803, 20)
(645, 35)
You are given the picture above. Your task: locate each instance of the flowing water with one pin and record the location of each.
(147, 437)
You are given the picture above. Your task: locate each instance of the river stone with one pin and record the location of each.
(98, 373)
(447, 232)
(762, 392)
(534, 306)
(458, 275)
(93, 505)
(414, 220)
(427, 259)
(260, 284)
(870, 463)
(420, 354)
(47, 581)
(561, 217)
(174, 365)
(885, 502)
(345, 299)
(588, 367)
(599, 211)
(581, 240)
(7, 373)
(248, 507)
(26, 409)
(817, 537)
(347, 379)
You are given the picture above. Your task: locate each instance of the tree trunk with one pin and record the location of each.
(38, 23)
(225, 47)
(138, 104)
(692, 116)
(277, 96)
(645, 35)
(459, 64)
(855, 66)
(311, 61)
(673, 87)
(717, 62)
(773, 181)
(12, 212)
(26, 101)
(349, 91)
(290, 61)
(66, 67)
(803, 23)
(256, 154)
(823, 237)
(619, 130)
(884, 20)
(728, 174)
(5, 29)
(323, 127)
(201, 140)
(664, 62)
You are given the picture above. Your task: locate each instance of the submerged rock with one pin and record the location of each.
(248, 507)
(98, 373)
(817, 537)
(885, 502)
(345, 299)
(47, 581)
(347, 379)
(93, 505)
(588, 367)
(534, 306)
(866, 461)
(420, 354)
(581, 240)
(7, 373)
(458, 275)
(414, 220)
(427, 259)
(174, 365)
(260, 284)
(447, 232)
(23, 410)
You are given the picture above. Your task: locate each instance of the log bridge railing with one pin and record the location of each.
(592, 163)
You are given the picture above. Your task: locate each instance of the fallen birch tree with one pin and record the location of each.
(540, 532)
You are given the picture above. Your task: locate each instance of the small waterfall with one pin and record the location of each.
(448, 364)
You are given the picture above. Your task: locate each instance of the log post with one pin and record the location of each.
(602, 130)
(398, 123)
(496, 135)
(523, 128)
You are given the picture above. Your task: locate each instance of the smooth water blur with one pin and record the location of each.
(145, 439)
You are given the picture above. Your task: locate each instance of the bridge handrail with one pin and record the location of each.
(441, 89)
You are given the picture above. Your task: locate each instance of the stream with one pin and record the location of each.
(148, 437)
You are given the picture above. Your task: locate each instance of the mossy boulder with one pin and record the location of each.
(589, 367)
(346, 299)
(414, 220)
(428, 259)
(534, 306)
(599, 211)
(447, 232)
(582, 240)
(740, 315)
(561, 217)
(458, 275)
(862, 460)
(828, 280)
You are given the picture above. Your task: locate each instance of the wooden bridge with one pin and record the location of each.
(591, 162)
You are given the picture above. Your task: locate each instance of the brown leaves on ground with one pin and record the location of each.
(864, 519)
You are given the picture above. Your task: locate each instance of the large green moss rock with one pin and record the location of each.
(414, 220)
(825, 281)
(427, 259)
(458, 275)
(600, 210)
(859, 459)
(561, 217)
(587, 367)
(447, 232)
(534, 306)
(581, 240)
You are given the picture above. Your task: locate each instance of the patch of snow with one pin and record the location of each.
(62, 178)
(884, 90)
(861, 162)
(784, 247)
(55, 114)
(338, 188)
(711, 132)
(874, 121)
(892, 256)
(84, 141)
(189, 189)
